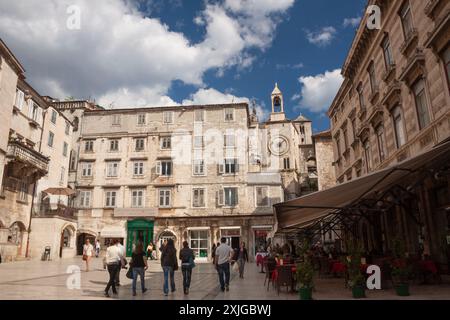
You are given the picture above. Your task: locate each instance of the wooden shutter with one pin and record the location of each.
(158, 168)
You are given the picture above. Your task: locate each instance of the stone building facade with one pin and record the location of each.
(32, 133)
(323, 149)
(394, 103)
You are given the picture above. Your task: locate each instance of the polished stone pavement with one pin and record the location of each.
(32, 280)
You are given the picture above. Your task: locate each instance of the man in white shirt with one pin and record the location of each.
(224, 254)
(122, 261)
(113, 260)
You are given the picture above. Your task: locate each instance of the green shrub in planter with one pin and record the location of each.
(356, 280)
(401, 271)
(305, 272)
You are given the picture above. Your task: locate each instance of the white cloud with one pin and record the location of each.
(322, 37)
(213, 96)
(122, 56)
(280, 66)
(354, 22)
(318, 92)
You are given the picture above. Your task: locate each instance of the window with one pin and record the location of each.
(51, 138)
(446, 60)
(73, 161)
(373, 82)
(199, 243)
(381, 143)
(138, 168)
(139, 144)
(112, 169)
(137, 198)
(66, 238)
(199, 115)
(262, 199)
(230, 197)
(164, 168)
(344, 133)
(166, 142)
(141, 119)
(23, 191)
(229, 141)
(20, 98)
(89, 146)
(164, 197)
(229, 166)
(65, 149)
(198, 197)
(62, 176)
(354, 128)
(406, 17)
(421, 104)
(110, 199)
(360, 89)
(33, 110)
(168, 116)
(387, 52)
(367, 155)
(86, 169)
(198, 142)
(398, 126)
(116, 120)
(338, 146)
(198, 167)
(85, 199)
(67, 130)
(114, 145)
(229, 114)
(286, 164)
(54, 115)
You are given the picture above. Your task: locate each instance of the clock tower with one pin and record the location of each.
(277, 105)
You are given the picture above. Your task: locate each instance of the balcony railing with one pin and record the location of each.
(23, 153)
(59, 210)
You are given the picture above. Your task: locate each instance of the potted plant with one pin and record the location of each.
(356, 280)
(401, 271)
(305, 272)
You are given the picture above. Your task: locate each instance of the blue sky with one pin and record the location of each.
(175, 51)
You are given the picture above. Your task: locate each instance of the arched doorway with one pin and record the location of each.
(166, 235)
(81, 239)
(67, 235)
(15, 235)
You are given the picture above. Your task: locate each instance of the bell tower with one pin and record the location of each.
(277, 105)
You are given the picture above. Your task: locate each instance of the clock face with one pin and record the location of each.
(279, 146)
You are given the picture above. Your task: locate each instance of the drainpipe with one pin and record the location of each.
(27, 253)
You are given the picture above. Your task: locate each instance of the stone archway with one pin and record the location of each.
(67, 240)
(82, 235)
(16, 234)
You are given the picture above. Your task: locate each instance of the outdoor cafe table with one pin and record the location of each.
(294, 272)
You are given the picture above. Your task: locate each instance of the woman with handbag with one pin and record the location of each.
(88, 252)
(138, 265)
(242, 258)
(169, 264)
(187, 258)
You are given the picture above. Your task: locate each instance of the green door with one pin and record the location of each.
(139, 230)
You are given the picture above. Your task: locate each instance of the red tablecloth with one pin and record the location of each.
(275, 272)
(429, 266)
(338, 267)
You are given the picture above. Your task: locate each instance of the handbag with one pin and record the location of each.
(191, 262)
(84, 257)
(236, 267)
(130, 273)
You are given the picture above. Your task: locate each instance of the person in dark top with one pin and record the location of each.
(139, 265)
(169, 264)
(241, 258)
(187, 258)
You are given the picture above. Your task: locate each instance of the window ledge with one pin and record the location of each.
(387, 74)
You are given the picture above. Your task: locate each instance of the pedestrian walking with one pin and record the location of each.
(150, 251)
(213, 252)
(224, 254)
(169, 264)
(88, 252)
(139, 266)
(187, 258)
(242, 258)
(123, 261)
(113, 260)
(97, 248)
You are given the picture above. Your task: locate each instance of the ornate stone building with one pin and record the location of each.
(393, 105)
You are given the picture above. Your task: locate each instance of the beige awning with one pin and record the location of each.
(304, 211)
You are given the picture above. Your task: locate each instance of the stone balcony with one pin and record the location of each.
(25, 161)
(58, 210)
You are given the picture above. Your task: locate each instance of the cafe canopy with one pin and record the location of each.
(348, 202)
